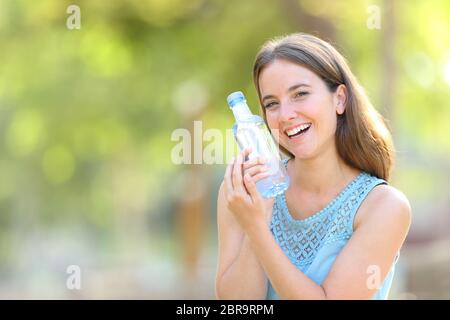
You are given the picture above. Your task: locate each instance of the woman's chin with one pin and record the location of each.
(302, 153)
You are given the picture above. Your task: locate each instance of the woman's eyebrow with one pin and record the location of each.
(292, 88)
(298, 86)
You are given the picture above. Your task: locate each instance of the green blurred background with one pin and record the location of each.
(87, 117)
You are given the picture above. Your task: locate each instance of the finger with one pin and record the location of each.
(251, 188)
(256, 169)
(227, 177)
(260, 176)
(237, 174)
(254, 162)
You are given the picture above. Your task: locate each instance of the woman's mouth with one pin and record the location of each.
(298, 130)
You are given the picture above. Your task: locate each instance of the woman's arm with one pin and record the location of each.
(380, 228)
(239, 273)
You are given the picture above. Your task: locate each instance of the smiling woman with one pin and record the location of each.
(336, 232)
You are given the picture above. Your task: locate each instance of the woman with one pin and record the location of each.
(336, 232)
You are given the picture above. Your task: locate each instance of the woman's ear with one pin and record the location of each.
(340, 99)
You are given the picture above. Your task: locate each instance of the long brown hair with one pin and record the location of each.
(362, 138)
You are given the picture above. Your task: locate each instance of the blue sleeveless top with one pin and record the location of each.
(312, 244)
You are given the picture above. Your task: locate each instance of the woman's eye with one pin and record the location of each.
(301, 94)
(270, 104)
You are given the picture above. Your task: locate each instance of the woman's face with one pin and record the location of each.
(299, 105)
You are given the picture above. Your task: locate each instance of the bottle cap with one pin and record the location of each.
(235, 98)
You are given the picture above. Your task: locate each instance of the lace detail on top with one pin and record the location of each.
(302, 239)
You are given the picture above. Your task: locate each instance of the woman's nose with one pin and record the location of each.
(287, 112)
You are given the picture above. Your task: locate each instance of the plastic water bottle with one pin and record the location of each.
(250, 131)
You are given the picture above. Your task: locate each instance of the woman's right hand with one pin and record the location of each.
(241, 200)
(256, 168)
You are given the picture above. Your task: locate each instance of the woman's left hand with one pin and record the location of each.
(243, 199)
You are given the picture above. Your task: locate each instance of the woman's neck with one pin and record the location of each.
(322, 174)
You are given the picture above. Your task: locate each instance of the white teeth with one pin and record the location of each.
(298, 129)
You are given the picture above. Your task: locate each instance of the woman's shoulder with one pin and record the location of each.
(385, 204)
